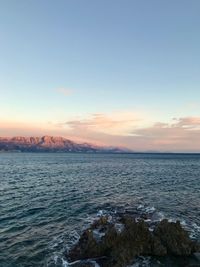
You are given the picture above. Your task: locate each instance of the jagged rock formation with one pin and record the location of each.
(117, 243)
(49, 144)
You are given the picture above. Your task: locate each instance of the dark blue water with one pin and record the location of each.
(45, 199)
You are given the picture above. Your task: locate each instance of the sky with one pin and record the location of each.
(116, 73)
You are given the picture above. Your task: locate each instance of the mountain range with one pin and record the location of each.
(51, 144)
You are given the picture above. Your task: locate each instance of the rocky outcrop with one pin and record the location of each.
(117, 243)
(49, 144)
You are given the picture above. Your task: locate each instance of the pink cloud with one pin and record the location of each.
(113, 124)
(189, 122)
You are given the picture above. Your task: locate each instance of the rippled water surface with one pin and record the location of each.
(47, 199)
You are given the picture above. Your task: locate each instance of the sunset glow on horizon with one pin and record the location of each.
(102, 72)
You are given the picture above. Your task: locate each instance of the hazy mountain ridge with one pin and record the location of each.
(50, 144)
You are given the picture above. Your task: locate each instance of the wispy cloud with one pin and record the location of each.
(181, 134)
(187, 122)
(114, 123)
(64, 91)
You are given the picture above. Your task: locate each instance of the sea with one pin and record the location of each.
(47, 199)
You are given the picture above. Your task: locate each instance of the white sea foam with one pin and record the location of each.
(146, 209)
(95, 263)
(148, 220)
(140, 207)
(161, 216)
(97, 235)
(196, 227)
(183, 223)
(142, 261)
(150, 209)
(65, 263)
(172, 220)
(73, 239)
(194, 231)
(100, 213)
(55, 259)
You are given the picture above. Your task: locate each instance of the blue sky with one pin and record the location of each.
(113, 58)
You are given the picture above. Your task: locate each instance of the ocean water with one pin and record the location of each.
(47, 199)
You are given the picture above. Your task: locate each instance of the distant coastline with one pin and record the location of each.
(54, 145)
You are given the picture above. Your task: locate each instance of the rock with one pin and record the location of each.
(174, 238)
(118, 248)
(157, 248)
(86, 248)
(197, 255)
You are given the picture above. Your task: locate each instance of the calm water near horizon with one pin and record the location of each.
(46, 199)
